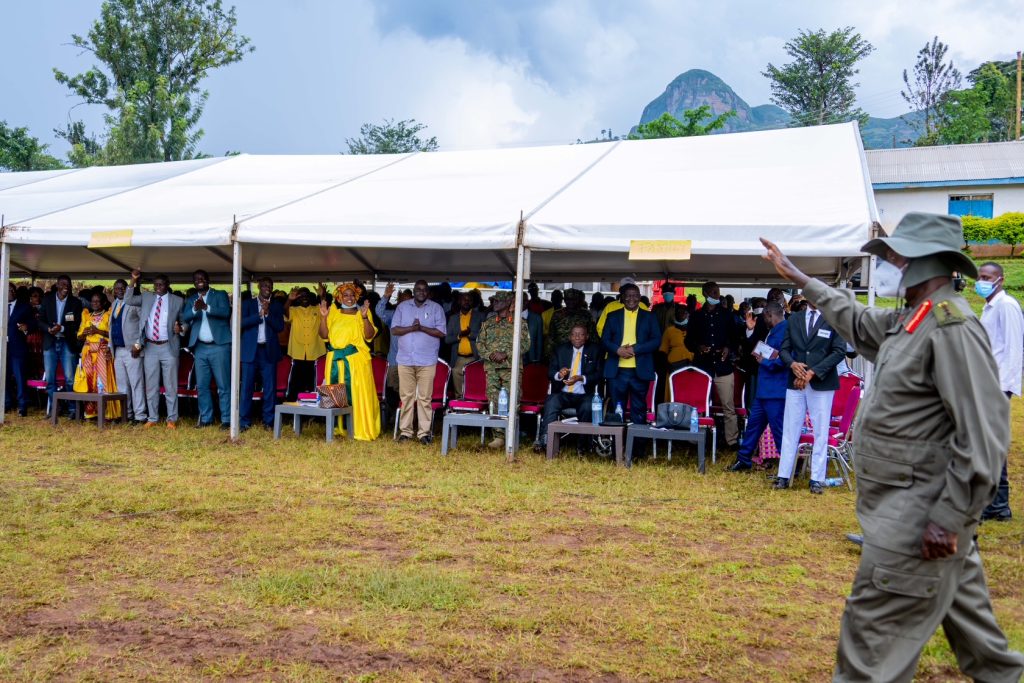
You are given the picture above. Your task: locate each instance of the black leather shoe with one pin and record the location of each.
(781, 483)
(403, 437)
(817, 488)
(540, 447)
(740, 466)
(426, 440)
(856, 539)
(22, 412)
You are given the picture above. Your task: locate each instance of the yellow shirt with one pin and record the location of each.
(613, 306)
(304, 342)
(628, 337)
(465, 347)
(673, 345)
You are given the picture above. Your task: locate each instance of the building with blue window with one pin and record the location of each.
(980, 180)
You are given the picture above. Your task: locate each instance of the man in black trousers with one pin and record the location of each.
(575, 371)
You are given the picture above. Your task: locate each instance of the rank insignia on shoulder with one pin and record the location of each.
(947, 313)
(919, 313)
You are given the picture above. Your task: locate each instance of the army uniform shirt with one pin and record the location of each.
(496, 337)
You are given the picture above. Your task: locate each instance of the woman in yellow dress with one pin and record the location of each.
(96, 363)
(348, 329)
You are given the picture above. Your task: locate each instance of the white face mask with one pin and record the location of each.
(887, 280)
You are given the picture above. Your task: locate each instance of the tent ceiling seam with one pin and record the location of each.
(42, 180)
(572, 182)
(111, 259)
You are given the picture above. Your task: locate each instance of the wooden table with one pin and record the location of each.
(298, 411)
(80, 397)
(452, 421)
(650, 432)
(557, 429)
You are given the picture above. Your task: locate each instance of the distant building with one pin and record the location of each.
(981, 180)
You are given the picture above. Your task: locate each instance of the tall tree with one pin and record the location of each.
(21, 151)
(1000, 99)
(816, 87)
(668, 126)
(391, 138)
(933, 79)
(153, 56)
(963, 119)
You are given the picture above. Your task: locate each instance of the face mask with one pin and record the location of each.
(682, 323)
(757, 311)
(887, 280)
(669, 297)
(349, 308)
(984, 289)
(713, 302)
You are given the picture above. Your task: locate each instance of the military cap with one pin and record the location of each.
(921, 234)
(502, 297)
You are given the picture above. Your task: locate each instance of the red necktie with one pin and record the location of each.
(156, 320)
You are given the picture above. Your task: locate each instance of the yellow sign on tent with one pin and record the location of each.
(103, 239)
(659, 250)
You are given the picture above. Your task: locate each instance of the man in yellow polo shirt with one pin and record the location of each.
(615, 305)
(304, 343)
(631, 336)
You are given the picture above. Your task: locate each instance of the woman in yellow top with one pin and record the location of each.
(348, 329)
(305, 346)
(673, 343)
(97, 364)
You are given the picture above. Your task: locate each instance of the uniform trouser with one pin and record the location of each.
(267, 370)
(898, 601)
(800, 402)
(59, 353)
(626, 385)
(559, 401)
(1000, 506)
(213, 360)
(459, 374)
(16, 378)
(416, 389)
(130, 380)
(764, 412)
(161, 364)
(725, 385)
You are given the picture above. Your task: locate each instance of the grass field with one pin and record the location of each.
(171, 556)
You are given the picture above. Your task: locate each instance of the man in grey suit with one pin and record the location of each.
(158, 335)
(812, 350)
(125, 329)
(207, 313)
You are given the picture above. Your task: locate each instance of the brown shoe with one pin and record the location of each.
(172, 425)
(150, 425)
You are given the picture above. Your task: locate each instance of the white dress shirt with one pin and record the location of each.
(1004, 322)
(205, 333)
(577, 363)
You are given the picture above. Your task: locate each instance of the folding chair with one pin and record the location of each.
(692, 386)
(536, 387)
(840, 448)
(474, 393)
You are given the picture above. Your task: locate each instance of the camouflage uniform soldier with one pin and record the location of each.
(494, 342)
(564, 319)
(930, 440)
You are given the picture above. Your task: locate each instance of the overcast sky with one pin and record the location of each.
(485, 74)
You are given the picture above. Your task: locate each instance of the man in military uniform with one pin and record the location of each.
(930, 440)
(495, 346)
(564, 319)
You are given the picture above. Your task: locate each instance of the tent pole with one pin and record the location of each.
(5, 279)
(517, 345)
(236, 335)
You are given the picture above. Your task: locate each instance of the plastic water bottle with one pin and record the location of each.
(693, 422)
(503, 402)
(100, 386)
(596, 408)
(832, 482)
(618, 410)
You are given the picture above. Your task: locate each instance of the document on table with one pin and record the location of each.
(764, 350)
(571, 420)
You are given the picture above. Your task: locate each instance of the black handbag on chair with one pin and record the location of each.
(673, 416)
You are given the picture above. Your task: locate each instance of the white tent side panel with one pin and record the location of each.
(803, 188)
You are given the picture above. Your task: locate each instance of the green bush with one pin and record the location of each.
(978, 230)
(1009, 229)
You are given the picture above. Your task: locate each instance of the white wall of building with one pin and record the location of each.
(894, 204)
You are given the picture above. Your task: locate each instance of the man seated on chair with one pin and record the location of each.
(575, 371)
(631, 336)
(769, 403)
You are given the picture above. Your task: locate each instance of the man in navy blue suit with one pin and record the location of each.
(208, 315)
(575, 372)
(21, 320)
(630, 336)
(769, 403)
(262, 319)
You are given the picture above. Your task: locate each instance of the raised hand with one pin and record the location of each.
(324, 309)
(365, 308)
(783, 266)
(136, 274)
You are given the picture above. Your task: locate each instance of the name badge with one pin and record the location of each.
(69, 317)
(825, 334)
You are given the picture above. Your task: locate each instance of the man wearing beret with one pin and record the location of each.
(495, 346)
(932, 433)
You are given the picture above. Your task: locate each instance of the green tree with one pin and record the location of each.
(977, 230)
(933, 79)
(391, 138)
(668, 126)
(1000, 99)
(816, 87)
(963, 119)
(1009, 229)
(20, 151)
(153, 56)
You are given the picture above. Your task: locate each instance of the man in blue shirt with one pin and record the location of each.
(419, 326)
(208, 315)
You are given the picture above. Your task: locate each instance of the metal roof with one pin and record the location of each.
(950, 164)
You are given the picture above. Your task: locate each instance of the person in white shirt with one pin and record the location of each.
(1004, 323)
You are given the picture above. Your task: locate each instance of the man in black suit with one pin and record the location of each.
(575, 371)
(812, 350)
(21, 320)
(60, 320)
(630, 336)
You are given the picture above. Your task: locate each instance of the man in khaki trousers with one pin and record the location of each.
(418, 326)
